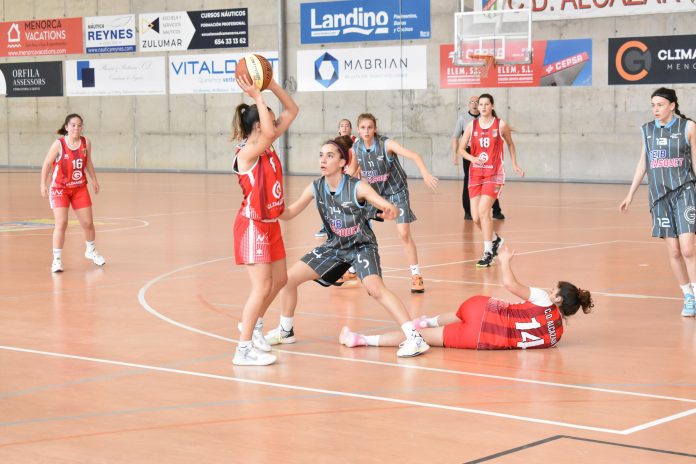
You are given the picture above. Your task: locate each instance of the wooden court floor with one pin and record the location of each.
(132, 363)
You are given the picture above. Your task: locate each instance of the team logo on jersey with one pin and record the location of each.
(483, 156)
(495, 132)
(77, 175)
(277, 188)
(346, 204)
(65, 156)
(690, 214)
(675, 135)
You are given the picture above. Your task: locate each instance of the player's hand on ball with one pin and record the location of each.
(247, 86)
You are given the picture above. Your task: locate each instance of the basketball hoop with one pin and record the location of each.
(486, 62)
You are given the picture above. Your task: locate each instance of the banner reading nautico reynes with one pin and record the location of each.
(34, 79)
(377, 68)
(33, 37)
(192, 30)
(110, 34)
(652, 60)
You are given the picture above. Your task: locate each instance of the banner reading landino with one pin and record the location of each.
(378, 68)
(652, 60)
(34, 79)
(364, 20)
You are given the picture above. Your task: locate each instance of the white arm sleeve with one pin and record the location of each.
(539, 297)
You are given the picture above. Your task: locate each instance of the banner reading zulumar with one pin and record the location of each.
(378, 68)
(193, 30)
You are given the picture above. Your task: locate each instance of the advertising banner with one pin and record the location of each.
(548, 10)
(652, 60)
(35, 79)
(554, 63)
(383, 68)
(209, 73)
(127, 76)
(193, 30)
(110, 34)
(60, 36)
(364, 20)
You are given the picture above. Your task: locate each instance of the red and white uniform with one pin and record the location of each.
(68, 180)
(492, 324)
(257, 234)
(487, 145)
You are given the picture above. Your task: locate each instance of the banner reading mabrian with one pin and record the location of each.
(127, 76)
(60, 36)
(209, 73)
(554, 63)
(378, 68)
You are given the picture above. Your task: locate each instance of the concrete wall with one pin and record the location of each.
(561, 133)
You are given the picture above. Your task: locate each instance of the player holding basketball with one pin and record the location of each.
(258, 243)
(668, 157)
(485, 137)
(341, 201)
(487, 323)
(380, 166)
(67, 161)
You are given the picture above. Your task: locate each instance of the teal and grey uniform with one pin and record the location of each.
(350, 240)
(383, 171)
(670, 177)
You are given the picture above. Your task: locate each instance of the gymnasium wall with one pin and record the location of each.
(562, 133)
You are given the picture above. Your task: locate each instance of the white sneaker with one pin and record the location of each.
(412, 346)
(257, 339)
(280, 336)
(95, 257)
(57, 265)
(250, 356)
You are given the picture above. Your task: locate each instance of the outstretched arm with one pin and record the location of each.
(367, 193)
(509, 280)
(641, 169)
(429, 179)
(299, 205)
(507, 136)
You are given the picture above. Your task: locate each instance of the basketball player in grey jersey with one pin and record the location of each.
(668, 157)
(341, 201)
(380, 167)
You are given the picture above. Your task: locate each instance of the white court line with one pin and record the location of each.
(317, 390)
(656, 422)
(49, 231)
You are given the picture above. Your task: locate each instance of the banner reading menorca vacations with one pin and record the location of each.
(33, 37)
(194, 30)
(127, 76)
(364, 20)
(110, 34)
(383, 68)
(34, 79)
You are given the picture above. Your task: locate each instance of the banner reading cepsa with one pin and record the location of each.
(209, 73)
(61, 36)
(383, 68)
(127, 76)
(554, 63)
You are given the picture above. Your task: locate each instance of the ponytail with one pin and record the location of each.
(245, 117)
(62, 130)
(574, 298)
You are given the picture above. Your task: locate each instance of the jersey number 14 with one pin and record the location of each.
(528, 340)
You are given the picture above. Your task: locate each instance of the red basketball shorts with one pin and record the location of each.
(489, 189)
(78, 197)
(465, 334)
(257, 242)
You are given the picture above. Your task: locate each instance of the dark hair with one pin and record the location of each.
(671, 95)
(369, 116)
(345, 142)
(573, 298)
(61, 130)
(490, 99)
(245, 117)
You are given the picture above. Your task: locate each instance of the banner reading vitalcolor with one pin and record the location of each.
(209, 73)
(378, 68)
(35, 79)
(60, 36)
(127, 76)
(582, 9)
(652, 60)
(110, 34)
(554, 63)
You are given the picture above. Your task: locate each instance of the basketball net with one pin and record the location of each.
(487, 60)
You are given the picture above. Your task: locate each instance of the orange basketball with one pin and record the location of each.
(257, 69)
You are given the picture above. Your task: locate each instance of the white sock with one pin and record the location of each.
(487, 246)
(433, 321)
(686, 289)
(243, 345)
(90, 246)
(415, 269)
(57, 252)
(408, 327)
(372, 340)
(351, 270)
(286, 323)
(259, 324)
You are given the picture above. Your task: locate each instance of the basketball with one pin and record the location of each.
(258, 70)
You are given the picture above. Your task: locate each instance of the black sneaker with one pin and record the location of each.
(496, 245)
(486, 260)
(498, 215)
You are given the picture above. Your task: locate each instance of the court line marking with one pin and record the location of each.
(316, 390)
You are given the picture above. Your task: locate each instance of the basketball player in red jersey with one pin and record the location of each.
(66, 163)
(487, 323)
(485, 136)
(258, 243)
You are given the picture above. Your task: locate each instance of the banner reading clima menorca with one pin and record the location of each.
(652, 60)
(35, 79)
